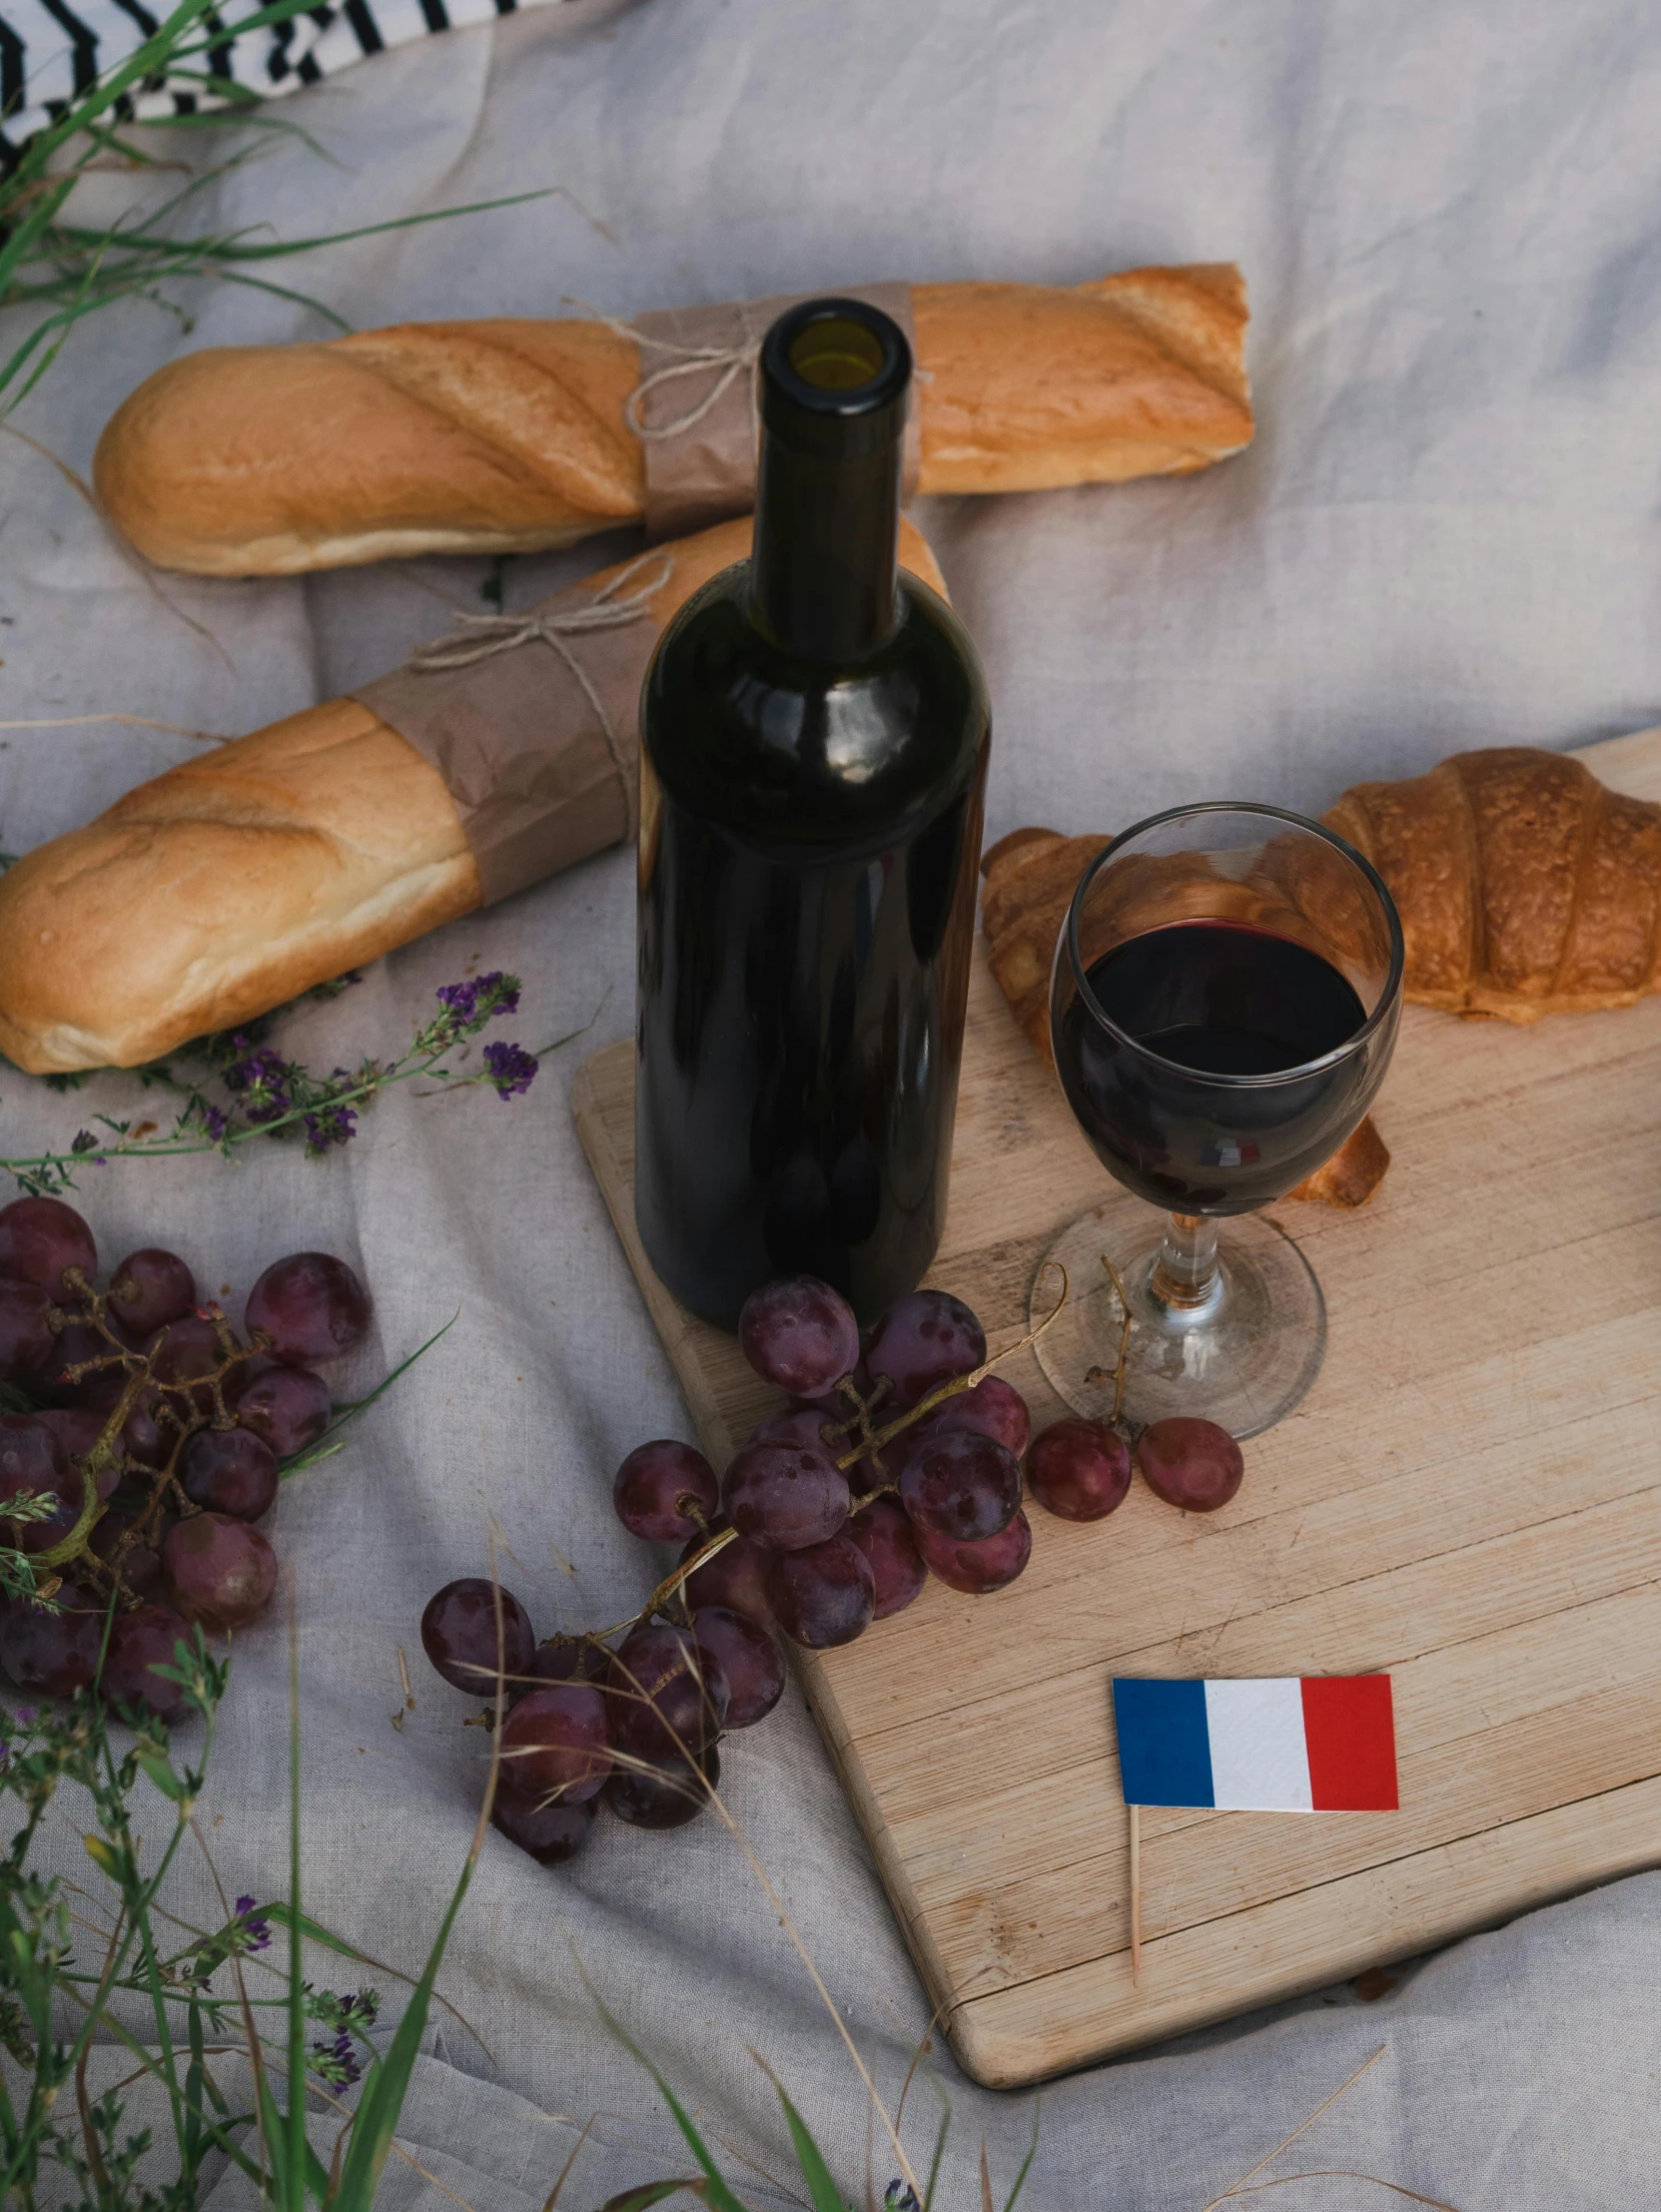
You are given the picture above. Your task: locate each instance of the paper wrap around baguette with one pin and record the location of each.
(282, 859)
(508, 435)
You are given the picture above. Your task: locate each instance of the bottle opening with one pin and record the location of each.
(836, 355)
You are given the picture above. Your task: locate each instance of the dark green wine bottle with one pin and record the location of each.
(815, 732)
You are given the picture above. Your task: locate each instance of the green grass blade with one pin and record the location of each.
(823, 2190)
(655, 2192)
(323, 1449)
(718, 2194)
(294, 2176)
(1025, 2164)
(388, 2084)
(939, 2154)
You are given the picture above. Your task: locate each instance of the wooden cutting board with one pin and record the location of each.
(1470, 1498)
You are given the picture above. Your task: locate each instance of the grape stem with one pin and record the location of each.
(671, 1586)
(871, 1442)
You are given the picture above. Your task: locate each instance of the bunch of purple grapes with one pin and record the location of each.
(158, 1435)
(898, 1456)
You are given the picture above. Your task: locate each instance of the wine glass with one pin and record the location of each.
(1223, 1004)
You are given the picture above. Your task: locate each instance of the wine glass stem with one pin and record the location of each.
(1184, 1273)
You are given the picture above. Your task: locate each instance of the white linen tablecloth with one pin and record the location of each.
(1445, 534)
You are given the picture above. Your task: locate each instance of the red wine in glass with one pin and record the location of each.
(1222, 1103)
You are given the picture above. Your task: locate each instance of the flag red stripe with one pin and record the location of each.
(1349, 1724)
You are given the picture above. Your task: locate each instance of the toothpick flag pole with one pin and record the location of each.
(1135, 1894)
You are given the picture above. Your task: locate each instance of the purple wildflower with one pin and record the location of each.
(330, 1124)
(336, 2063)
(512, 1069)
(260, 1080)
(215, 1121)
(256, 1932)
(900, 2197)
(459, 998)
(497, 993)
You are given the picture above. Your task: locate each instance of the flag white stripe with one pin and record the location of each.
(1259, 1755)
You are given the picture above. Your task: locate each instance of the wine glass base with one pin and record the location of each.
(1243, 1359)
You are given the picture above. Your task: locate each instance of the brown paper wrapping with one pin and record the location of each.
(534, 721)
(697, 420)
(540, 777)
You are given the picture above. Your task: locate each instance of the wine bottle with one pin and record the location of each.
(814, 731)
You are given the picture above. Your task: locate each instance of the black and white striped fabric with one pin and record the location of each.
(51, 51)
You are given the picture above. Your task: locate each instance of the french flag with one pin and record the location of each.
(1322, 1743)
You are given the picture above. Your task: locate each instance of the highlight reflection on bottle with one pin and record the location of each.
(814, 739)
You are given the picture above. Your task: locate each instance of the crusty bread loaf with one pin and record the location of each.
(1525, 886)
(243, 877)
(505, 435)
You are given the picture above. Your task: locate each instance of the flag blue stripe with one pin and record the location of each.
(1164, 1751)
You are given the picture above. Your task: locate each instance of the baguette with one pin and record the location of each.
(502, 436)
(242, 877)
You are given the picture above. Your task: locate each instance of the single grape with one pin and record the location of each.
(288, 1406)
(567, 1662)
(40, 1238)
(882, 1531)
(667, 1795)
(667, 1695)
(921, 1341)
(148, 1289)
(735, 1577)
(230, 1471)
(785, 1496)
(312, 1306)
(991, 1408)
(1188, 1463)
(32, 1458)
(1079, 1469)
(799, 1333)
(141, 1564)
(810, 1426)
(139, 1642)
(76, 1344)
(459, 1635)
(26, 1341)
(747, 1656)
(557, 1743)
(54, 1654)
(219, 1571)
(551, 1833)
(824, 1596)
(981, 1567)
(184, 1350)
(143, 1434)
(658, 1487)
(961, 1485)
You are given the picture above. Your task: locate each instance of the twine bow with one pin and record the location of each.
(729, 362)
(483, 636)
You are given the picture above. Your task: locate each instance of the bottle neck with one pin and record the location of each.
(823, 572)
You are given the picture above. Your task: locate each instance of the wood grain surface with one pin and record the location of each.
(1470, 1498)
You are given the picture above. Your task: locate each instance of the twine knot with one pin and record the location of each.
(729, 362)
(480, 637)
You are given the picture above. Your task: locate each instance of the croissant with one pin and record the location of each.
(510, 435)
(1525, 886)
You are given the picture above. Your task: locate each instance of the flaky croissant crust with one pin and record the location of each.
(1525, 886)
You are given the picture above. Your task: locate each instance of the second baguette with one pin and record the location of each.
(243, 877)
(508, 435)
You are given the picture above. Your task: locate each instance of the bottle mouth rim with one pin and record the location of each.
(783, 382)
